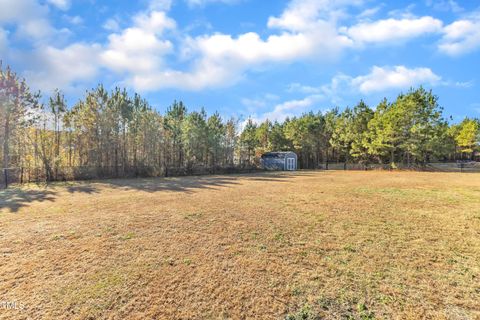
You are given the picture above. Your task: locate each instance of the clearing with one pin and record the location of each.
(363, 245)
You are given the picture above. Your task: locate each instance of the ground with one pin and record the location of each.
(304, 245)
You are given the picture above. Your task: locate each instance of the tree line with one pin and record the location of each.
(120, 132)
(410, 130)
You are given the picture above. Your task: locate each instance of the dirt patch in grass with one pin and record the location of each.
(305, 245)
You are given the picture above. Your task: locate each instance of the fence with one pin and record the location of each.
(460, 166)
(27, 175)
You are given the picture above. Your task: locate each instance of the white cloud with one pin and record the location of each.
(60, 4)
(75, 20)
(297, 104)
(253, 105)
(445, 5)
(250, 48)
(155, 22)
(391, 30)
(367, 13)
(111, 25)
(203, 75)
(297, 87)
(139, 53)
(139, 49)
(380, 79)
(219, 60)
(30, 19)
(289, 109)
(3, 40)
(193, 3)
(63, 68)
(404, 13)
(160, 5)
(38, 29)
(398, 77)
(458, 84)
(21, 10)
(461, 37)
(302, 15)
(307, 28)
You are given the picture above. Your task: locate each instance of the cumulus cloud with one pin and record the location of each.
(15, 11)
(253, 105)
(462, 36)
(379, 80)
(367, 13)
(60, 4)
(75, 20)
(111, 25)
(160, 5)
(141, 54)
(250, 48)
(391, 30)
(445, 5)
(291, 108)
(398, 77)
(193, 3)
(44, 65)
(304, 14)
(203, 75)
(136, 51)
(30, 19)
(306, 28)
(3, 40)
(221, 59)
(63, 68)
(139, 49)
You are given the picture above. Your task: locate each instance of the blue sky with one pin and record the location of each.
(264, 58)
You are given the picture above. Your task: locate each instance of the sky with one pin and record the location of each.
(265, 59)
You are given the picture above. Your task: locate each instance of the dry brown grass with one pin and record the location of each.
(363, 245)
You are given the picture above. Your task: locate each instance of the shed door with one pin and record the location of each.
(290, 164)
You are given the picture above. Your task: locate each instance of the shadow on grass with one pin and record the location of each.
(16, 198)
(190, 183)
(82, 188)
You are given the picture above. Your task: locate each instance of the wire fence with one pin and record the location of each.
(458, 166)
(21, 175)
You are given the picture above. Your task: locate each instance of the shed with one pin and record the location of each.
(286, 161)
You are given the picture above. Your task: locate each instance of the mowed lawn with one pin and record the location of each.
(305, 245)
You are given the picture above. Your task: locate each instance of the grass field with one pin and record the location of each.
(306, 245)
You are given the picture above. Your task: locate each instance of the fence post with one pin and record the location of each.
(5, 174)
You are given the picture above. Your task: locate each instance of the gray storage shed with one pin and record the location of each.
(286, 161)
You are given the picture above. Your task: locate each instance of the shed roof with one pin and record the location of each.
(277, 154)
